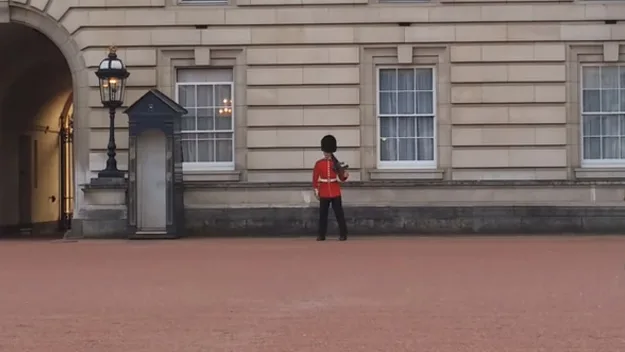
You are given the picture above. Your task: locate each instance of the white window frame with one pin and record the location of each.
(416, 164)
(210, 166)
(594, 163)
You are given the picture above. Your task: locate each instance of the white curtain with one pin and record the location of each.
(406, 114)
(603, 115)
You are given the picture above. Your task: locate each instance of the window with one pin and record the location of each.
(603, 115)
(208, 129)
(406, 118)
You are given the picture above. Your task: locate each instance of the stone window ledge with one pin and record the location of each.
(600, 173)
(211, 176)
(404, 174)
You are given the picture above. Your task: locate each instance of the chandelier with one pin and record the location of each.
(226, 109)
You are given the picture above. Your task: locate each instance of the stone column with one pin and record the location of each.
(4, 11)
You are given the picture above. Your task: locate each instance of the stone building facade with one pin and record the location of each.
(454, 115)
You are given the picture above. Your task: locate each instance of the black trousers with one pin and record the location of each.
(324, 209)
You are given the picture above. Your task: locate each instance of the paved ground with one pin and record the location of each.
(273, 295)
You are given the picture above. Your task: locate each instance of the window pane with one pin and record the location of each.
(205, 148)
(223, 95)
(609, 125)
(406, 103)
(205, 119)
(425, 149)
(388, 149)
(425, 127)
(406, 127)
(387, 103)
(592, 148)
(591, 77)
(205, 96)
(591, 100)
(622, 125)
(388, 127)
(622, 147)
(223, 149)
(405, 79)
(609, 77)
(201, 75)
(388, 79)
(186, 96)
(610, 100)
(188, 121)
(592, 125)
(622, 77)
(407, 149)
(425, 102)
(224, 107)
(223, 123)
(188, 148)
(611, 147)
(424, 79)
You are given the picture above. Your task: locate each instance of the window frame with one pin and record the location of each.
(208, 165)
(594, 163)
(413, 164)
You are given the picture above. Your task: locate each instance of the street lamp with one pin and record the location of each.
(112, 75)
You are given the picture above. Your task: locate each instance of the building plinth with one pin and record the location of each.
(105, 213)
(394, 208)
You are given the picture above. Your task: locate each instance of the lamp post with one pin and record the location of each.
(112, 75)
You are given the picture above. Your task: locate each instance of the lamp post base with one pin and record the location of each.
(111, 174)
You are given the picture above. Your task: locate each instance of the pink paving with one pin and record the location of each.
(272, 295)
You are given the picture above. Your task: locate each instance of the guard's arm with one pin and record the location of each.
(315, 177)
(343, 176)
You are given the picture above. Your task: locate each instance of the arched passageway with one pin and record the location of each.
(36, 110)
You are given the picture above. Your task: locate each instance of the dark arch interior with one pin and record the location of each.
(36, 110)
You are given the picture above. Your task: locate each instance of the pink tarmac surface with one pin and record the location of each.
(547, 294)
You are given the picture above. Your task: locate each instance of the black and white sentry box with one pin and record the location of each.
(155, 189)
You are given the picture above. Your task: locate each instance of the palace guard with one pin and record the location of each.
(327, 175)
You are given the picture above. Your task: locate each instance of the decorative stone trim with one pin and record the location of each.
(600, 173)
(579, 54)
(416, 184)
(384, 174)
(171, 59)
(200, 3)
(430, 55)
(212, 176)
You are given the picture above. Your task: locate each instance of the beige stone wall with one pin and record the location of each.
(506, 76)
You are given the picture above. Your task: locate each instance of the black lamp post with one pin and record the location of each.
(112, 75)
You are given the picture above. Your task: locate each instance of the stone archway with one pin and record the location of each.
(44, 87)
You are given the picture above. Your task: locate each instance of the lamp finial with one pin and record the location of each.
(112, 50)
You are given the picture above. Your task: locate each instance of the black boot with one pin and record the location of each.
(321, 238)
(343, 238)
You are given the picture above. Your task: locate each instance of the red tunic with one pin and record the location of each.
(325, 179)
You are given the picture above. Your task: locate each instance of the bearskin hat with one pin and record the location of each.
(328, 144)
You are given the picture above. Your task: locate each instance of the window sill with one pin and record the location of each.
(406, 174)
(202, 2)
(211, 176)
(600, 173)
